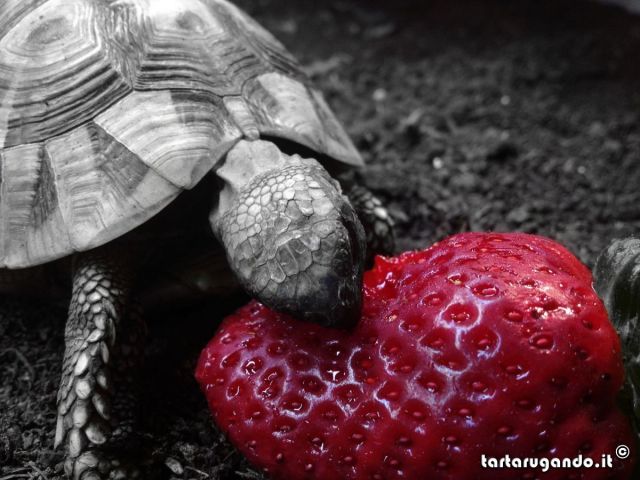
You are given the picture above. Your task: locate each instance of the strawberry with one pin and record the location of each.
(483, 344)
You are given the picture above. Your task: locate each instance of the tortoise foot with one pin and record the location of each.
(375, 218)
(101, 465)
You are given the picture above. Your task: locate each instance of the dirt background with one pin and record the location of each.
(472, 115)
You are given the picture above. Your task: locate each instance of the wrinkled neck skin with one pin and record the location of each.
(291, 237)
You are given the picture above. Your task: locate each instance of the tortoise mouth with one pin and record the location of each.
(329, 291)
(329, 295)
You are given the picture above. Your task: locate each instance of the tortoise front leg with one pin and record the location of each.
(378, 224)
(97, 400)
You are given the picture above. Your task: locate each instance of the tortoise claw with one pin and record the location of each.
(98, 465)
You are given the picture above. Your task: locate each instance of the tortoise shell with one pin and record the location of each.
(110, 108)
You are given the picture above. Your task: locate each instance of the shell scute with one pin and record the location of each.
(98, 179)
(57, 70)
(179, 134)
(110, 108)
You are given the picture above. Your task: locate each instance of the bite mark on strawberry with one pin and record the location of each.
(487, 344)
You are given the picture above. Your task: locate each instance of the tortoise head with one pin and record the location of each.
(291, 237)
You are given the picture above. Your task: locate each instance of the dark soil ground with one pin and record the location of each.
(472, 115)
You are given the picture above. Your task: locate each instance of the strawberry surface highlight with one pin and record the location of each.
(484, 344)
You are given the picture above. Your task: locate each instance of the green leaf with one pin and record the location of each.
(617, 282)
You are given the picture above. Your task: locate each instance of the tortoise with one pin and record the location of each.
(160, 149)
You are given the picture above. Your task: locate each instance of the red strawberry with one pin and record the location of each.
(484, 344)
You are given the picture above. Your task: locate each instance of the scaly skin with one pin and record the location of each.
(377, 223)
(292, 238)
(96, 399)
